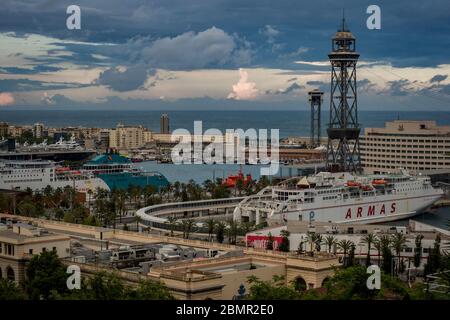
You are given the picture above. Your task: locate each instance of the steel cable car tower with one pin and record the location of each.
(315, 98)
(343, 152)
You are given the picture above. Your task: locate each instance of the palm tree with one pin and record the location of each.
(398, 244)
(89, 193)
(330, 241)
(120, 197)
(187, 227)
(176, 190)
(48, 195)
(368, 239)
(172, 223)
(345, 245)
(149, 190)
(246, 227)
(211, 224)
(418, 251)
(220, 229)
(233, 231)
(312, 238)
(386, 242)
(318, 242)
(377, 245)
(138, 220)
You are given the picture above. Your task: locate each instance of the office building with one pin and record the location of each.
(418, 146)
(164, 124)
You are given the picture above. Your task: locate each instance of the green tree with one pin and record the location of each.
(187, 225)
(378, 246)
(434, 257)
(385, 242)
(150, 290)
(172, 221)
(220, 231)
(284, 245)
(398, 244)
(26, 208)
(233, 229)
(105, 286)
(210, 224)
(330, 242)
(9, 290)
(271, 290)
(351, 284)
(369, 240)
(318, 242)
(45, 273)
(269, 245)
(418, 251)
(312, 240)
(345, 246)
(351, 255)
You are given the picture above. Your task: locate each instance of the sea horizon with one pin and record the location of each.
(290, 122)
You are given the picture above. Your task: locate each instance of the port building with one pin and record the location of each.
(418, 146)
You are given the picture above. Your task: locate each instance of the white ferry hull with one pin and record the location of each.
(378, 210)
(91, 184)
(36, 175)
(342, 198)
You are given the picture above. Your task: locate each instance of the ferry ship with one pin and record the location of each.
(118, 172)
(36, 175)
(342, 198)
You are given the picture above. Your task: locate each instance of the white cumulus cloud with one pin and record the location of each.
(243, 90)
(6, 99)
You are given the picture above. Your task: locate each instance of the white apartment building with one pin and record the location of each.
(418, 146)
(38, 130)
(127, 137)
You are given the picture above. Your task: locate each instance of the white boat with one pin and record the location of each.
(342, 198)
(36, 175)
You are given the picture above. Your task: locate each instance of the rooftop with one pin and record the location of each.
(410, 127)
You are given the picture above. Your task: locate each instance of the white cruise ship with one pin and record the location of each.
(342, 198)
(36, 175)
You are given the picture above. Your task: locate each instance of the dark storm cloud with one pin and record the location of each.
(34, 70)
(399, 87)
(321, 85)
(438, 78)
(364, 85)
(411, 35)
(294, 87)
(24, 85)
(130, 79)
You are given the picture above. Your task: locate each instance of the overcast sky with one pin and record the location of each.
(219, 53)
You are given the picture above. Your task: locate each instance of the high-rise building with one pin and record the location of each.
(4, 130)
(418, 146)
(164, 124)
(126, 137)
(38, 130)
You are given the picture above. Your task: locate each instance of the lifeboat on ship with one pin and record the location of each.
(379, 182)
(353, 184)
(366, 188)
